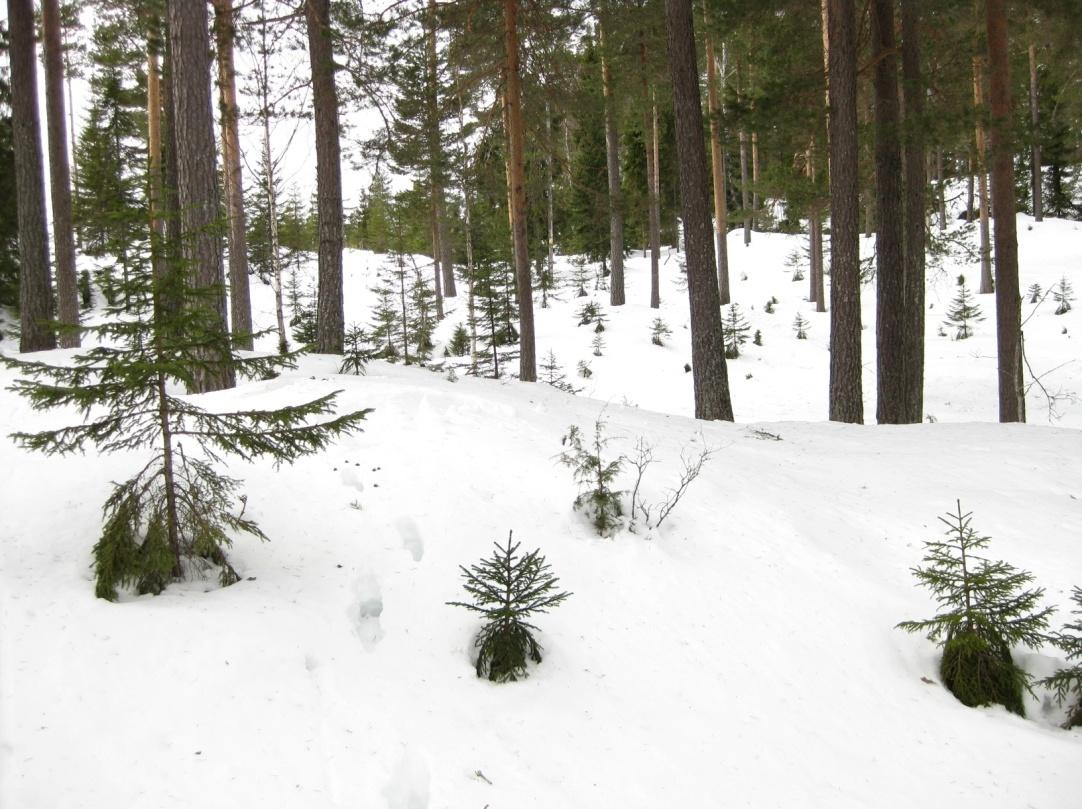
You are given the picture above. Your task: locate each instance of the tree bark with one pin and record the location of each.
(437, 164)
(709, 372)
(653, 214)
(330, 318)
(846, 391)
(941, 191)
(717, 169)
(240, 298)
(67, 291)
(1012, 402)
(915, 218)
(35, 285)
(197, 182)
(982, 182)
(612, 160)
(516, 136)
(891, 394)
(1035, 149)
(745, 191)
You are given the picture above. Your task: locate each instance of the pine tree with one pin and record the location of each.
(963, 311)
(9, 224)
(734, 329)
(176, 515)
(508, 590)
(595, 477)
(984, 611)
(1066, 683)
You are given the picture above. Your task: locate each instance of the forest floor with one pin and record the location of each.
(741, 654)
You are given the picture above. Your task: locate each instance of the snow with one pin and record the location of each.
(743, 654)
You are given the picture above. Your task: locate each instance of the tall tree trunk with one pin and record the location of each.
(240, 298)
(717, 168)
(1035, 149)
(467, 227)
(1012, 401)
(197, 181)
(516, 134)
(755, 180)
(612, 160)
(915, 218)
(846, 396)
(437, 162)
(550, 209)
(982, 182)
(941, 191)
(709, 372)
(67, 291)
(35, 285)
(437, 254)
(891, 394)
(653, 214)
(171, 300)
(745, 191)
(156, 191)
(330, 318)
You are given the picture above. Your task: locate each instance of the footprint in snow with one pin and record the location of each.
(411, 537)
(409, 782)
(369, 608)
(351, 477)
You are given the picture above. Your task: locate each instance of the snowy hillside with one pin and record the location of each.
(744, 654)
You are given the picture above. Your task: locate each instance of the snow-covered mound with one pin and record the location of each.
(744, 654)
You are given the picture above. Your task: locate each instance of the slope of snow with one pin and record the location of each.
(742, 655)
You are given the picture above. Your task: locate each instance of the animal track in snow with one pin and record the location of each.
(368, 610)
(411, 537)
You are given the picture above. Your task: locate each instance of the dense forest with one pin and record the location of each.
(509, 132)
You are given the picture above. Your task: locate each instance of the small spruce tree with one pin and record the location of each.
(985, 609)
(1034, 293)
(459, 346)
(176, 516)
(598, 344)
(659, 330)
(595, 477)
(508, 590)
(734, 330)
(758, 338)
(1063, 294)
(356, 352)
(1066, 683)
(800, 326)
(584, 369)
(552, 375)
(588, 313)
(963, 311)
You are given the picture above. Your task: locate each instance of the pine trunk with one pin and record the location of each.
(67, 291)
(1012, 402)
(240, 299)
(915, 219)
(717, 169)
(846, 396)
(330, 318)
(891, 394)
(612, 160)
(169, 251)
(437, 170)
(649, 127)
(941, 191)
(709, 372)
(35, 285)
(516, 136)
(982, 182)
(1035, 150)
(197, 181)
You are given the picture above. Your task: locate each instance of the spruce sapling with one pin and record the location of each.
(734, 331)
(508, 590)
(175, 515)
(552, 375)
(356, 353)
(1063, 294)
(598, 343)
(659, 330)
(584, 369)
(595, 477)
(1066, 683)
(460, 341)
(800, 326)
(963, 311)
(985, 609)
(1034, 293)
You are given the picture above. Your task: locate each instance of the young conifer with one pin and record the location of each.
(176, 515)
(1063, 293)
(800, 326)
(595, 477)
(1067, 682)
(659, 330)
(734, 329)
(508, 590)
(985, 609)
(963, 311)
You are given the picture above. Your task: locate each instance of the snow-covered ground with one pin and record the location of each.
(741, 655)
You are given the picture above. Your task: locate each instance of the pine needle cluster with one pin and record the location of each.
(508, 590)
(985, 609)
